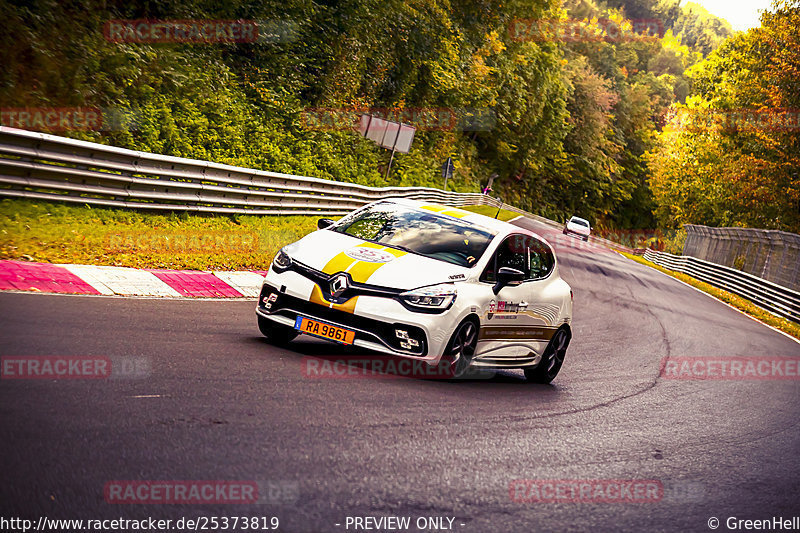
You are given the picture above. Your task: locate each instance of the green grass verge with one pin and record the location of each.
(490, 212)
(50, 232)
(738, 302)
(57, 233)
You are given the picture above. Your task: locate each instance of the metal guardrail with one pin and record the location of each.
(770, 296)
(48, 167)
(769, 254)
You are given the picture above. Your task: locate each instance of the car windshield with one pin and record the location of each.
(417, 231)
(580, 222)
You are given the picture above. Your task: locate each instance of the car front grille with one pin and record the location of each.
(365, 328)
(354, 289)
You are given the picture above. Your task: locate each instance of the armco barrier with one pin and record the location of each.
(772, 297)
(49, 167)
(769, 254)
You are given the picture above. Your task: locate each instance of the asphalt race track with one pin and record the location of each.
(219, 403)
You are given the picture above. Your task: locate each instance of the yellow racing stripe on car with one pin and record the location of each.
(340, 262)
(361, 271)
(436, 208)
(348, 307)
(456, 213)
(448, 211)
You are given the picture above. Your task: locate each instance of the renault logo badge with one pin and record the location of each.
(339, 284)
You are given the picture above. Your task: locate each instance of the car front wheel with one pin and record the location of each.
(275, 333)
(552, 359)
(461, 348)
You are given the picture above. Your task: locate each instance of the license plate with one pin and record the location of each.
(326, 331)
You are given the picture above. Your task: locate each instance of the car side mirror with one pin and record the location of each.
(324, 223)
(507, 276)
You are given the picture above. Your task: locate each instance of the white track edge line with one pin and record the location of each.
(751, 317)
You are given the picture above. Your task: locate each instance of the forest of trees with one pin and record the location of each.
(594, 126)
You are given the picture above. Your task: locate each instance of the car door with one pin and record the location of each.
(520, 318)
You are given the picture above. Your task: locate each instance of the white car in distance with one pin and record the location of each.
(578, 226)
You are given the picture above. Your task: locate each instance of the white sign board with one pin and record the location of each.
(390, 135)
(404, 138)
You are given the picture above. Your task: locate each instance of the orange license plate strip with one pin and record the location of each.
(326, 331)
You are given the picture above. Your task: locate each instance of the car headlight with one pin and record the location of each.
(433, 298)
(282, 261)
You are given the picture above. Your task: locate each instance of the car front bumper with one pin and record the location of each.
(379, 323)
(582, 234)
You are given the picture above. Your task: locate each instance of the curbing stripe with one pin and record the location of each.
(41, 277)
(198, 284)
(247, 283)
(123, 281)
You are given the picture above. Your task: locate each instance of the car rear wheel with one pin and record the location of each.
(552, 359)
(275, 333)
(461, 348)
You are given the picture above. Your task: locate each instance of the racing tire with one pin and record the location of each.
(275, 333)
(461, 349)
(586, 239)
(552, 359)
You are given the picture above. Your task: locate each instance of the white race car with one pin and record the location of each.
(425, 282)
(578, 226)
